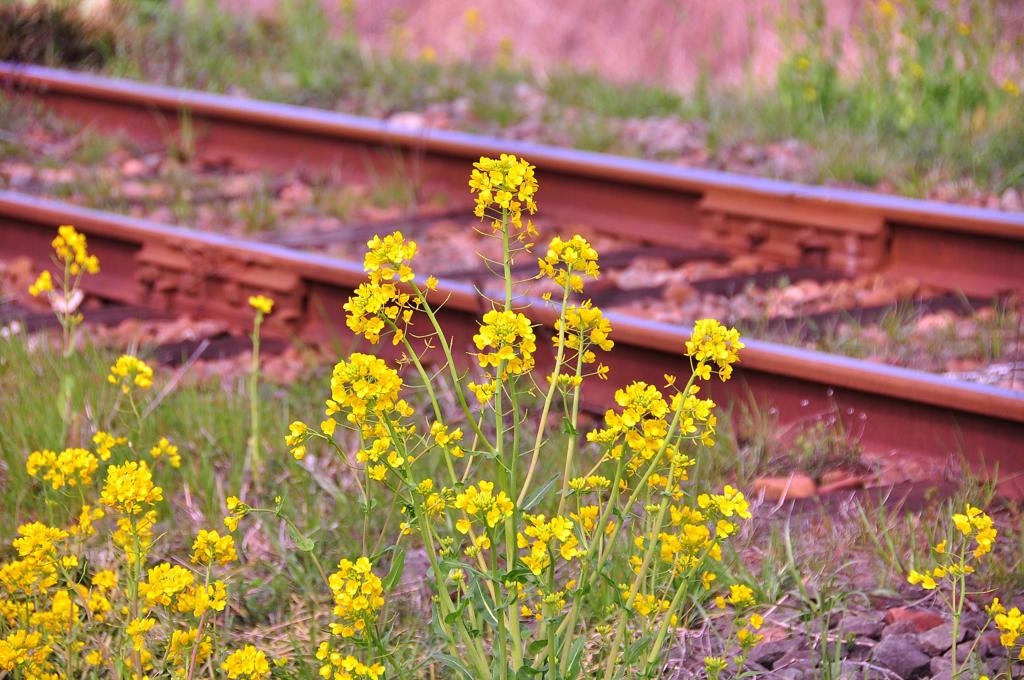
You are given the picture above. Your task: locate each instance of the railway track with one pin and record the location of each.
(676, 214)
(164, 268)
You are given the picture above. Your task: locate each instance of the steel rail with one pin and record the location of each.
(887, 409)
(975, 250)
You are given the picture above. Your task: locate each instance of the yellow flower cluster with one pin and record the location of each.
(368, 389)
(740, 596)
(237, 510)
(374, 306)
(25, 654)
(70, 467)
(338, 666)
(544, 538)
(712, 343)
(973, 523)
(567, 262)
(974, 527)
(298, 433)
(510, 336)
(448, 439)
(248, 663)
(129, 488)
(163, 448)
(505, 186)
(641, 424)
(585, 328)
(365, 386)
(389, 258)
(261, 303)
(480, 502)
(164, 583)
(43, 284)
(105, 442)
(128, 371)
(358, 596)
(1009, 623)
(72, 250)
(210, 547)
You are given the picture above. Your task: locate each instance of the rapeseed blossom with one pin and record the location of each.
(70, 467)
(210, 547)
(567, 262)
(71, 249)
(129, 488)
(358, 596)
(247, 663)
(129, 371)
(43, 284)
(511, 338)
(503, 188)
(711, 343)
(480, 502)
(261, 303)
(164, 448)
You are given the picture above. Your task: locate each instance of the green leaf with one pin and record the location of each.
(568, 427)
(303, 543)
(536, 647)
(396, 571)
(535, 497)
(453, 663)
(575, 659)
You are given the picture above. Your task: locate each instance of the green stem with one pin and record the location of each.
(254, 403)
(542, 425)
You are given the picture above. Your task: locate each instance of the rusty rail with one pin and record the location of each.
(976, 251)
(178, 270)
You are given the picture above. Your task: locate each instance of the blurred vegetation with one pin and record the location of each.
(936, 101)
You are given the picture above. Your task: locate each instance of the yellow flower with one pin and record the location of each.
(1011, 88)
(585, 327)
(210, 547)
(298, 433)
(713, 343)
(248, 663)
(510, 335)
(567, 262)
(129, 370)
(261, 303)
(374, 306)
(503, 187)
(447, 439)
(104, 442)
(165, 448)
(137, 630)
(1010, 624)
(337, 666)
(554, 536)
(389, 258)
(43, 284)
(740, 595)
(481, 501)
(358, 596)
(163, 583)
(179, 648)
(200, 599)
(484, 392)
(70, 467)
(129, 488)
(924, 580)
(72, 250)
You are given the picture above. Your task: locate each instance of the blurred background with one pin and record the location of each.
(919, 97)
